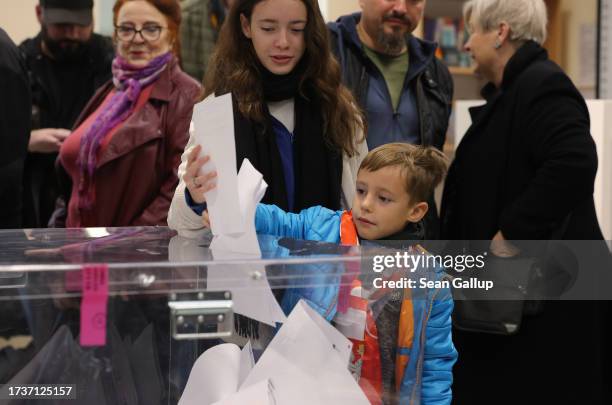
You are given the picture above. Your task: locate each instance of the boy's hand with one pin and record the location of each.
(198, 184)
(205, 219)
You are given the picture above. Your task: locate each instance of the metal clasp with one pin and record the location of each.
(10, 279)
(201, 315)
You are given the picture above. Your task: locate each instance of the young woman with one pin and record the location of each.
(294, 120)
(120, 162)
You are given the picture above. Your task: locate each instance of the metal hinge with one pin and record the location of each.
(511, 327)
(10, 279)
(201, 315)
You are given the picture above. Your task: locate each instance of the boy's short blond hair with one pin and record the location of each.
(423, 168)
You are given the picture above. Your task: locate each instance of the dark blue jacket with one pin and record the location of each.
(425, 103)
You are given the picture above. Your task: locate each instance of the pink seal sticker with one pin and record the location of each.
(93, 305)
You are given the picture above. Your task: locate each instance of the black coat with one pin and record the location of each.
(15, 108)
(527, 167)
(528, 162)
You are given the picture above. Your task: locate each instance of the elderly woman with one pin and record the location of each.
(525, 170)
(122, 158)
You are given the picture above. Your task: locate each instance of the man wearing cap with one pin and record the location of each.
(66, 63)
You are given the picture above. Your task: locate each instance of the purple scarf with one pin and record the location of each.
(129, 82)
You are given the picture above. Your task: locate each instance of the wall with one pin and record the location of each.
(20, 21)
(336, 8)
(104, 12)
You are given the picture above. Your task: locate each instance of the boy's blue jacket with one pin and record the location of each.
(428, 377)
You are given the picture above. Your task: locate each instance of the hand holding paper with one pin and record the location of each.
(200, 175)
(231, 205)
(214, 130)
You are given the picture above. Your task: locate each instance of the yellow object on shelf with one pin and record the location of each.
(456, 70)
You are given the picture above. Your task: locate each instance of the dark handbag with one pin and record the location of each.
(521, 285)
(500, 309)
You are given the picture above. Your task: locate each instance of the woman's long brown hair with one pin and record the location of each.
(233, 68)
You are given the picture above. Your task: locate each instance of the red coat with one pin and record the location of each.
(136, 174)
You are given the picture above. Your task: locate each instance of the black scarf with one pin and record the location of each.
(281, 87)
(317, 166)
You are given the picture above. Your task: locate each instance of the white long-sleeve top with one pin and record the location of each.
(187, 223)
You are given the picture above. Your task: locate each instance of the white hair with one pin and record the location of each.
(527, 19)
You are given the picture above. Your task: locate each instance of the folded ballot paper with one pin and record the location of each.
(248, 281)
(218, 374)
(232, 204)
(305, 363)
(251, 189)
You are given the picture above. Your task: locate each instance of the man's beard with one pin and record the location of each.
(393, 43)
(65, 50)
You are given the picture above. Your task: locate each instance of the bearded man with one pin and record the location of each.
(404, 90)
(66, 63)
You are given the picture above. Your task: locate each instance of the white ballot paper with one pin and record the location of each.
(251, 292)
(251, 189)
(213, 121)
(216, 374)
(261, 393)
(308, 362)
(247, 362)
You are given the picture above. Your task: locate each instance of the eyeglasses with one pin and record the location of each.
(127, 33)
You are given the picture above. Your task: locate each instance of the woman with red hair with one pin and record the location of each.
(121, 161)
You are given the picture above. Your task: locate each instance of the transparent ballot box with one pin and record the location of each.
(144, 316)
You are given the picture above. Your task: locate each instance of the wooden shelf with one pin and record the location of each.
(467, 84)
(461, 71)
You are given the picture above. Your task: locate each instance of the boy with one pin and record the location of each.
(414, 340)
(410, 361)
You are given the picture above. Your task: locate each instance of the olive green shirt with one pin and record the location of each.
(393, 69)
